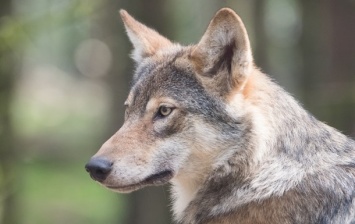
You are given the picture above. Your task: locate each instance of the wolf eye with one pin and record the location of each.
(164, 111)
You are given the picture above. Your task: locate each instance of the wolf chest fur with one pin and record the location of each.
(234, 145)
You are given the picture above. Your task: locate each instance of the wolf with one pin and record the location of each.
(234, 145)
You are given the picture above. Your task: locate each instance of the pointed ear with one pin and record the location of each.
(223, 54)
(146, 41)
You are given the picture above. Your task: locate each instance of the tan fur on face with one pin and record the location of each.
(123, 148)
(137, 151)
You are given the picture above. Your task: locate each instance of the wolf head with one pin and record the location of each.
(185, 110)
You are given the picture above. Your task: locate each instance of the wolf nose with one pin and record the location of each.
(98, 168)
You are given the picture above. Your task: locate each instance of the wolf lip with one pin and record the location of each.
(154, 179)
(159, 178)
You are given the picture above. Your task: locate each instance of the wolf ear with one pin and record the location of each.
(146, 41)
(223, 56)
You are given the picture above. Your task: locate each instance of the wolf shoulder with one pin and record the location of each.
(325, 195)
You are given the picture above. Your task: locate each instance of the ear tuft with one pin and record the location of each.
(224, 50)
(146, 41)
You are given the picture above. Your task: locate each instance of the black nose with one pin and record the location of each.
(98, 168)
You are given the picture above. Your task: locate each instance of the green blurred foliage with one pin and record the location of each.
(16, 31)
(53, 139)
(60, 193)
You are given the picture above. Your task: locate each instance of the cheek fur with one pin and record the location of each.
(171, 125)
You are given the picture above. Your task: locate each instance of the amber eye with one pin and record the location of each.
(165, 111)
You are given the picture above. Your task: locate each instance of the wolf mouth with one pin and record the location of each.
(154, 179)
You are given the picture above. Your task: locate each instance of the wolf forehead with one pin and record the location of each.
(173, 76)
(169, 76)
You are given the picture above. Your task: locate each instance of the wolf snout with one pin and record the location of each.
(99, 168)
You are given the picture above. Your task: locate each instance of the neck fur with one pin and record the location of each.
(274, 118)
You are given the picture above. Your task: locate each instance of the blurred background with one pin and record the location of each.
(65, 73)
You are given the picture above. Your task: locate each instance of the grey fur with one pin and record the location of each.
(325, 195)
(263, 158)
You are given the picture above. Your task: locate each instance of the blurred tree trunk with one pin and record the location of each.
(149, 205)
(260, 50)
(7, 194)
(341, 70)
(311, 48)
(328, 51)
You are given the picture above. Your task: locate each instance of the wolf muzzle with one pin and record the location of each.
(98, 168)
